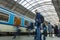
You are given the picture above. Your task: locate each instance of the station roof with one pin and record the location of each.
(45, 7)
(56, 4)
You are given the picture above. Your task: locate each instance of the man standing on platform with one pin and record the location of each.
(38, 21)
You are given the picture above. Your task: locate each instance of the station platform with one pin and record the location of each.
(25, 38)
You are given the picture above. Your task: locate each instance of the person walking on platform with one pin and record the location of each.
(59, 32)
(38, 20)
(17, 32)
(16, 24)
(31, 26)
(28, 29)
(56, 30)
(44, 31)
(50, 29)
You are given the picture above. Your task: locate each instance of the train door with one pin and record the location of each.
(17, 21)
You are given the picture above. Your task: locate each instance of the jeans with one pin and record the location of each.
(38, 35)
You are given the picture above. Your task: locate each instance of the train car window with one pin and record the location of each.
(17, 21)
(4, 17)
(26, 22)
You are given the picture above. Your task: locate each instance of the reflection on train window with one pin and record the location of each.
(26, 22)
(17, 21)
(4, 17)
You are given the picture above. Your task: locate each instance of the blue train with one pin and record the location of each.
(8, 18)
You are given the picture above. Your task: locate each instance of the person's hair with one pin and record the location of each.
(36, 10)
(44, 25)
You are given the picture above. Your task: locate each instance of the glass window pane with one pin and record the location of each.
(4, 17)
(15, 0)
(21, 1)
(29, 7)
(37, 0)
(28, 0)
(26, 22)
(44, 9)
(31, 2)
(24, 3)
(32, 5)
(27, 4)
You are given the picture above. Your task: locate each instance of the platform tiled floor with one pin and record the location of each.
(26, 38)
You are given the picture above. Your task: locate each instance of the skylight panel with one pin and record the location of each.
(21, 1)
(27, 5)
(24, 3)
(15, 0)
(45, 7)
(28, 0)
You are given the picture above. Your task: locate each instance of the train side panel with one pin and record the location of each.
(6, 26)
(10, 16)
(22, 22)
(10, 28)
(11, 19)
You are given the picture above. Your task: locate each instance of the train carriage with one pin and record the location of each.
(9, 19)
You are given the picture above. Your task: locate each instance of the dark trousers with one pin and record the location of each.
(15, 34)
(44, 37)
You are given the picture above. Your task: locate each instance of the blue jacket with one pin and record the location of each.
(39, 18)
